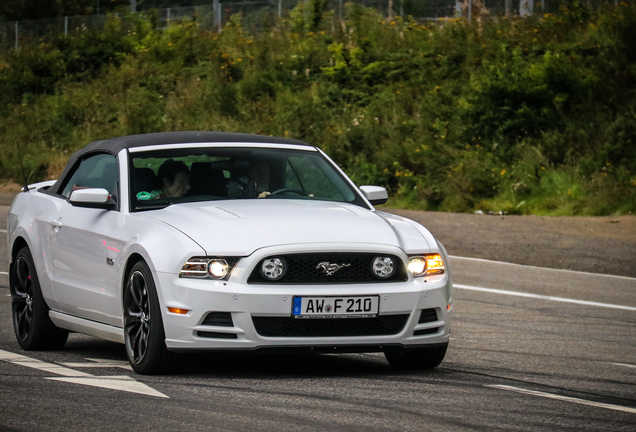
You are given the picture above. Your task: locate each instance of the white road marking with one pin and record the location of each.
(544, 297)
(623, 364)
(1, 230)
(40, 365)
(120, 382)
(4, 273)
(101, 363)
(543, 268)
(564, 398)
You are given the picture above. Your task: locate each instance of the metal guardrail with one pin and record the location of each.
(14, 34)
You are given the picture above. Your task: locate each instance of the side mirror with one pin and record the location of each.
(375, 194)
(92, 198)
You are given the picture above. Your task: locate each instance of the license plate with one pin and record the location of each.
(336, 307)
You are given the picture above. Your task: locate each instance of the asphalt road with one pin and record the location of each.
(539, 349)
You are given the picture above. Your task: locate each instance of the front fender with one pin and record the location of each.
(162, 247)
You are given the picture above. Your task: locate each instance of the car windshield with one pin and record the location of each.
(163, 177)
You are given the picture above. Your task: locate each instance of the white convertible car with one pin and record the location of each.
(184, 241)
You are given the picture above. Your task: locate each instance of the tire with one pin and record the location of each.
(143, 326)
(417, 358)
(33, 328)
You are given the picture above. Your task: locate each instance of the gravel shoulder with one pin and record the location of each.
(591, 244)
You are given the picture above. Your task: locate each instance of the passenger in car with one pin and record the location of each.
(174, 178)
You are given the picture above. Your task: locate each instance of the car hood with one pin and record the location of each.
(240, 227)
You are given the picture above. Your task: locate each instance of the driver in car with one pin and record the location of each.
(260, 173)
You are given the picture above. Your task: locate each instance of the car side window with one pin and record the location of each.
(98, 171)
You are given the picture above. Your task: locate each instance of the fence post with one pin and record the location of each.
(16, 35)
(66, 26)
(470, 10)
(218, 14)
(526, 7)
(168, 19)
(133, 6)
(508, 7)
(280, 8)
(215, 7)
(402, 8)
(340, 10)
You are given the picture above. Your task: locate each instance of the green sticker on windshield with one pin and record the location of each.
(143, 196)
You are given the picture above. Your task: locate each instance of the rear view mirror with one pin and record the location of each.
(375, 194)
(92, 198)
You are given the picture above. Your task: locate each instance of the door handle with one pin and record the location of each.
(56, 224)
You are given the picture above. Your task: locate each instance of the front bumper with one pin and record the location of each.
(244, 302)
(201, 297)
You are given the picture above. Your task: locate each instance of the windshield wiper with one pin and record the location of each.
(153, 207)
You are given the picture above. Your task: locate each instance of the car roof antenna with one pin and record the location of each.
(26, 184)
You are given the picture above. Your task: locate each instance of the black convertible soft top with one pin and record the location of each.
(115, 145)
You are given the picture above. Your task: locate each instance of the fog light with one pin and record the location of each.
(218, 268)
(383, 267)
(273, 268)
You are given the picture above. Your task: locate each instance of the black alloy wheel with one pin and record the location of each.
(23, 300)
(143, 327)
(34, 329)
(137, 317)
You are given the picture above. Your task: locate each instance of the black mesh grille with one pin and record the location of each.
(294, 327)
(356, 268)
(427, 315)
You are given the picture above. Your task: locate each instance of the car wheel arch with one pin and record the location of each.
(133, 259)
(18, 244)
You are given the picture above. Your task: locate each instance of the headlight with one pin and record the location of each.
(383, 267)
(208, 267)
(417, 265)
(426, 265)
(218, 268)
(195, 268)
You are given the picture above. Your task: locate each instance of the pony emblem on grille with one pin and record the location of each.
(330, 268)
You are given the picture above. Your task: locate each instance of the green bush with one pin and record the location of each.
(517, 115)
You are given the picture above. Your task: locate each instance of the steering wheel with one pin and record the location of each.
(289, 190)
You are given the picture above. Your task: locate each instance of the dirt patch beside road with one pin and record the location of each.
(592, 244)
